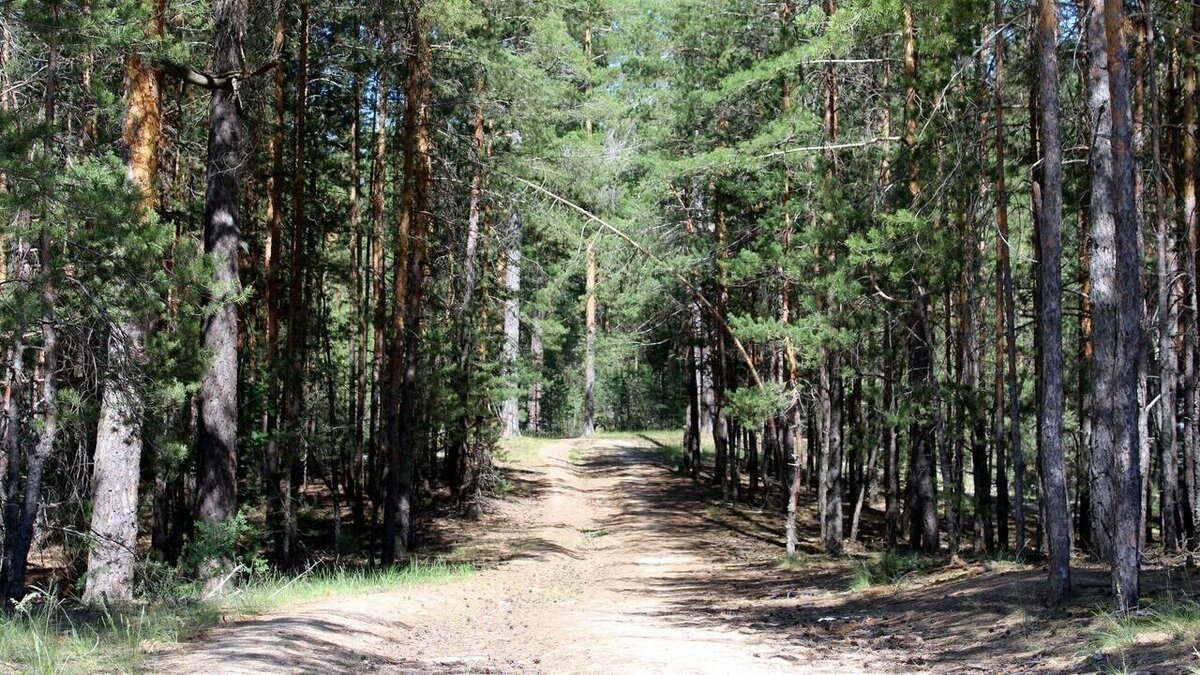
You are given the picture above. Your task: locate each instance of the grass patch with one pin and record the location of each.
(48, 634)
(1164, 623)
(667, 444)
(890, 568)
(522, 450)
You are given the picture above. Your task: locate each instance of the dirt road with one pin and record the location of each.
(606, 562)
(602, 569)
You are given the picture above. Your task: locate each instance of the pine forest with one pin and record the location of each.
(604, 336)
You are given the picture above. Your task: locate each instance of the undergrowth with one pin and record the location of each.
(891, 567)
(1166, 622)
(46, 633)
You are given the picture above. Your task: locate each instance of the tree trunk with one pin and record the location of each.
(829, 486)
(21, 510)
(510, 416)
(460, 465)
(359, 300)
(1102, 271)
(407, 287)
(222, 240)
(1054, 479)
(1191, 227)
(891, 450)
(117, 457)
(1127, 463)
(1007, 326)
(1167, 309)
(924, 534)
(380, 394)
(297, 337)
(272, 480)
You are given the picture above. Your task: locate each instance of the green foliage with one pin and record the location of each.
(752, 406)
(1165, 622)
(234, 539)
(891, 567)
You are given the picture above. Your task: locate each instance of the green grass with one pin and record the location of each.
(1167, 622)
(666, 443)
(890, 568)
(522, 450)
(50, 635)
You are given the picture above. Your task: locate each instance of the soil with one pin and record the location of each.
(605, 561)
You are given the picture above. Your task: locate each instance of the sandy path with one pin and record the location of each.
(606, 571)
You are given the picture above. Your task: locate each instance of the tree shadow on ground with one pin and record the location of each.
(966, 617)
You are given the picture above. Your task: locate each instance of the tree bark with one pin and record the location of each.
(1054, 479)
(1102, 270)
(1191, 227)
(297, 336)
(1127, 463)
(1006, 319)
(510, 416)
(222, 240)
(407, 288)
(589, 348)
(117, 457)
(461, 466)
(272, 481)
(1168, 319)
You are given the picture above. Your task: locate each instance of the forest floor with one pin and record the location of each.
(601, 560)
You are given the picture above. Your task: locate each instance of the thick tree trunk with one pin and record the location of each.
(793, 504)
(117, 457)
(407, 288)
(222, 240)
(1127, 463)
(1054, 478)
(1102, 270)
